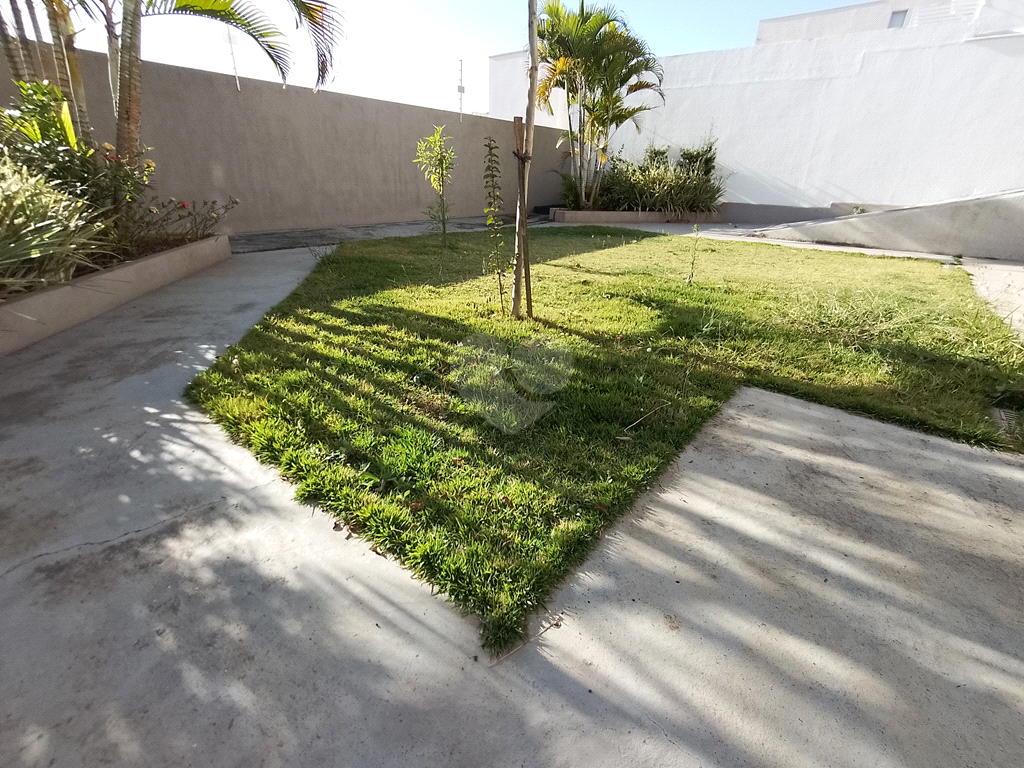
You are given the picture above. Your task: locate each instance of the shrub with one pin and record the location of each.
(45, 234)
(690, 186)
(38, 135)
(147, 227)
(700, 160)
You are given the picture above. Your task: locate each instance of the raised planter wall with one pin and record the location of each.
(728, 213)
(27, 319)
(565, 216)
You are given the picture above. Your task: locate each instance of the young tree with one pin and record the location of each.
(436, 159)
(495, 261)
(524, 154)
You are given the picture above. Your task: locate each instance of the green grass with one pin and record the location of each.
(348, 386)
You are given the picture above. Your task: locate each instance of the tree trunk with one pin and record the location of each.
(74, 71)
(524, 143)
(129, 102)
(12, 51)
(113, 53)
(61, 62)
(38, 32)
(516, 310)
(26, 48)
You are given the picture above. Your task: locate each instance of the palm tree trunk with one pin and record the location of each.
(572, 143)
(60, 59)
(38, 33)
(113, 53)
(26, 48)
(522, 266)
(12, 51)
(61, 62)
(74, 71)
(129, 102)
(582, 146)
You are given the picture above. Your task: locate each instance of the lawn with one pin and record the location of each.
(488, 456)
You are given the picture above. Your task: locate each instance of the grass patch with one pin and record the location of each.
(351, 385)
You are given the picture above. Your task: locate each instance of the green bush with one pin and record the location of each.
(700, 160)
(45, 234)
(690, 186)
(38, 134)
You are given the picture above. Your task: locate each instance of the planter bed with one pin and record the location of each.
(27, 319)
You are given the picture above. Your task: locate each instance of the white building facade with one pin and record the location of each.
(890, 103)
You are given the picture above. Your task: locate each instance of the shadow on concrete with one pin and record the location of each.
(807, 587)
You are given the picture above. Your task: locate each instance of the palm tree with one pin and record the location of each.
(569, 45)
(38, 33)
(598, 62)
(318, 17)
(627, 67)
(69, 74)
(33, 63)
(12, 51)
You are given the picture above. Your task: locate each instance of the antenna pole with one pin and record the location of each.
(234, 65)
(462, 90)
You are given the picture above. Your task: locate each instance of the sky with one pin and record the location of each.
(410, 50)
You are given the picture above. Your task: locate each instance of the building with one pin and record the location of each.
(889, 104)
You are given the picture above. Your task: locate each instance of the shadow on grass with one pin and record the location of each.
(938, 392)
(346, 386)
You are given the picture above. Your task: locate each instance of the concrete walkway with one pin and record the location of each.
(317, 238)
(804, 588)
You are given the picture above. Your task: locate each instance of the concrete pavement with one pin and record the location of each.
(803, 588)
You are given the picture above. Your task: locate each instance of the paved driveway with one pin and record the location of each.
(803, 588)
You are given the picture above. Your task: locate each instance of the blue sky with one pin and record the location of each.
(409, 50)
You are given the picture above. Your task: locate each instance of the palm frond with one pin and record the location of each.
(323, 25)
(243, 16)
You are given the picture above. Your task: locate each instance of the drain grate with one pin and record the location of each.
(1010, 422)
(1008, 412)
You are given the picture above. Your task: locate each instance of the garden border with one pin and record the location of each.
(24, 320)
(566, 216)
(728, 213)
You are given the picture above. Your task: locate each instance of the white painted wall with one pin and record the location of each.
(867, 17)
(836, 21)
(891, 117)
(509, 85)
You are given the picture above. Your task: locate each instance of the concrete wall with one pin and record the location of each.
(298, 159)
(883, 117)
(987, 228)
